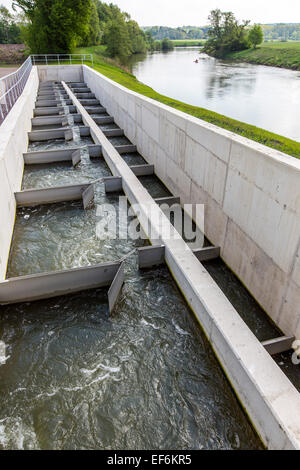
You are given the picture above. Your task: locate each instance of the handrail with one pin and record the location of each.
(47, 59)
(12, 85)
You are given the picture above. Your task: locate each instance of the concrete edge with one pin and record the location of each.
(53, 284)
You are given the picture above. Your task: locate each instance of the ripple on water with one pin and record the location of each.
(144, 378)
(59, 174)
(58, 144)
(62, 236)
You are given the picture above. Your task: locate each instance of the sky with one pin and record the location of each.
(195, 12)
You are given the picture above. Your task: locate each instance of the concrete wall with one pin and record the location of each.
(271, 401)
(57, 73)
(251, 192)
(13, 143)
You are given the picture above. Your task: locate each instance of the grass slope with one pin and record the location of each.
(278, 54)
(119, 75)
(187, 42)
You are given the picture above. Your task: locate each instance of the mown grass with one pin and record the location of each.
(125, 78)
(282, 45)
(278, 54)
(187, 42)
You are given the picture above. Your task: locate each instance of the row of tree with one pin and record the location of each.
(183, 32)
(272, 32)
(226, 34)
(281, 32)
(58, 26)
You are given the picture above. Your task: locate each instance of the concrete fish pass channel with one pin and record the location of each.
(144, 343)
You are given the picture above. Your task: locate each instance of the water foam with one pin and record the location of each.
(3, 357)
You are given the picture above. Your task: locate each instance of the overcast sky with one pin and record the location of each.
(195, 12)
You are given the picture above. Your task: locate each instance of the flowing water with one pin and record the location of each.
(73, 377)
(267, 97)
(145, 378)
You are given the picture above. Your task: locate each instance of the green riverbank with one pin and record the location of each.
(187, 42)
(111, 70)
(277, 54)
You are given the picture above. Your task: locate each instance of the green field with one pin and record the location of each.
(187, 42)
(278, 54)
(111, 70)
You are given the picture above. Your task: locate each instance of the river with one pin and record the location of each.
(267, 97)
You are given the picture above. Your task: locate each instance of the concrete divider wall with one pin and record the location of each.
(57, 73)
(251, 192)
(13, 143)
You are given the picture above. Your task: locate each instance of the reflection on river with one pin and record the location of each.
(266, 97)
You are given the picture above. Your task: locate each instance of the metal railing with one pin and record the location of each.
(12, 85)
(60, 59)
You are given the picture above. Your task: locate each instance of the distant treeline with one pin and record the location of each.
(183, 32)
(281, 32)
(272, 32)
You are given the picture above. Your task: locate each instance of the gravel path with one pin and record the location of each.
(7, 70)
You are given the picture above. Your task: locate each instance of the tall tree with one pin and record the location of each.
(9, 30)
(256, 35)
(93, 34)
(226, 34)
(137, 37)
(55, 26)
(117, 39)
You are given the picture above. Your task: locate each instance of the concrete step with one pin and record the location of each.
(113, 132)
(59, 155)
(50, 120)
(51, 103)
(76, 85)
(142, 170)
(95, 109)
(126, 148)
(81, 90)
(57, 283)
(56, 110)
(85, 96)
(53, 134)
(87, 102)
(104, 120)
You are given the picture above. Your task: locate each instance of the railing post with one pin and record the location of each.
(12, 86)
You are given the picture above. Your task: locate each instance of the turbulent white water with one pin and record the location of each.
(3, 356)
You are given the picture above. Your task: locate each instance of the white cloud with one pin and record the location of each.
(195, 12)
(6, 3)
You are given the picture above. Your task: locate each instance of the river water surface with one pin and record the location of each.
(267, 97)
